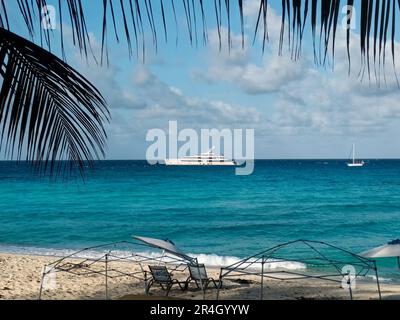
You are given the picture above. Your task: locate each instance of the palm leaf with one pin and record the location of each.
(140, 18)
(48, 107)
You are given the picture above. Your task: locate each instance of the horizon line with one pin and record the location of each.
(258, 159)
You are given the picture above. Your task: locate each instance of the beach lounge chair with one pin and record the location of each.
(198, 274)
(161, 276)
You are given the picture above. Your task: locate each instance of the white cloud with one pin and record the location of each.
(167, 103)
(145, 102)
(307, 99)
(308, 103)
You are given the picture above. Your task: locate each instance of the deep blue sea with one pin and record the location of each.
(205, 210)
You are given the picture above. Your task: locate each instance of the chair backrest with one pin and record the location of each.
(160, 274)
(198, 272)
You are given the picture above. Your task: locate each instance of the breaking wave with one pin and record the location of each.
(213, 260)
(210, 260)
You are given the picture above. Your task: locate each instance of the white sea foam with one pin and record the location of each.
(381, 279)
(36, 251)
(213, 260)
(210, 260)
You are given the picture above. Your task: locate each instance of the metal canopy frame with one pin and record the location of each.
(315, 255)
(96, 260)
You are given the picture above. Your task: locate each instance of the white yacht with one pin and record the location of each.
(354, 162)
(205, 159)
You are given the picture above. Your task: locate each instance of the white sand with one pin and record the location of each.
(20, 279)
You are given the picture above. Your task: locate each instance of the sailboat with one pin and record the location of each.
(355, 163)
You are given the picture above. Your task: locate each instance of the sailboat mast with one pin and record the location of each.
(355, 163)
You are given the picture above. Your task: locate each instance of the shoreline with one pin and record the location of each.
(20, 277)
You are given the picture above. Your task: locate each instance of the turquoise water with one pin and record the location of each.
(205, 210)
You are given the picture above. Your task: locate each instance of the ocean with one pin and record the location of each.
(207, 211)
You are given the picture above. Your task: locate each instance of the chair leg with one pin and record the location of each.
(188, 281)
(217, 284)
(149, 285)
(168, 289)
(180, 286)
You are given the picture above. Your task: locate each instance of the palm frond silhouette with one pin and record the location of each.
(54, 113)
(47, 107)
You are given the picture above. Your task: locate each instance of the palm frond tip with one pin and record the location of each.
(47, 107)
(133, 20)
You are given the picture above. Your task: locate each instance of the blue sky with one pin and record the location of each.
(298, 110)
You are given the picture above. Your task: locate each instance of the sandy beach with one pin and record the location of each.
(20, 277)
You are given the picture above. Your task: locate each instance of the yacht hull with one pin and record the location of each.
(357, 165)
(199, 164)
(202, 160)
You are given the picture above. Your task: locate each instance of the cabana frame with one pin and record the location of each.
(97, 260)
(319, 265)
